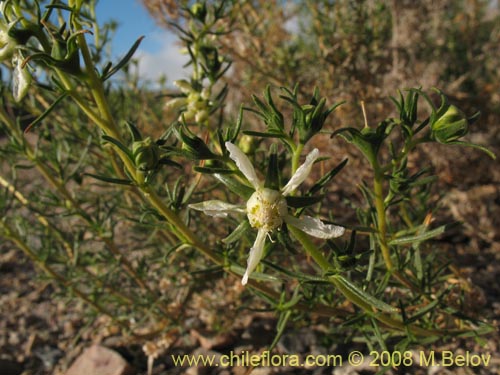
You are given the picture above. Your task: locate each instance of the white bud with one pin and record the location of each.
(21, 78)
(7, 44)
(184, 86)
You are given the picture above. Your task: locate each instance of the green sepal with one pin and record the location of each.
(146, 154)
(358, 139)
(273, 174)
(448, 123)
(367, 140)
(195, 146)
(300, 202)
(134, 132)
(119, 145)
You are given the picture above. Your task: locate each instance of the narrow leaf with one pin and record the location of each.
(210, 170)
(45, 113)
(264, 135)
(236, 234)
(299, 202)
(123, 61)
(236, 187)
(118, 144)
(346, 286)
(109, 179)
(419, 237)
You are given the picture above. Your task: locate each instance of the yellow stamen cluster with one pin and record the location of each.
(266, 209)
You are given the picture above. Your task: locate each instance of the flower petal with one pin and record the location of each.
(315, 227)
(255, 254)
(243, 164)
(301, 173)
(217, 208)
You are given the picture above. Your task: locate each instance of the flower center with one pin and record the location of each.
(266, 209)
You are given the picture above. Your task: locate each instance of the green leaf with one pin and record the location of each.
(429, 307)
(237, 128)
(235, 186)
(45, 113)
(264, 135)
(212, 170)
(419, 237)
(273, 175)
(237, 233)
(119, 145)
(255, 275)
(473, 145)
(326, 178)
(109, 179)
(349, 289)
(368, 147)
(123, 61)
(299, 202)
(134, 132)
(280, 327)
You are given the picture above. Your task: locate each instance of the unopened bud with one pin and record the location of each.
(199, 11)
(184, 86)
(201, 116)
(7, 43)
(247, 144)
(450, 126)
(175, 104)
(145, 154)
(21, 78)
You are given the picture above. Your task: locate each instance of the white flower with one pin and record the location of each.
(267, 209)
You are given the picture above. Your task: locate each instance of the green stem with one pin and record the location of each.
(382, 231)
(296, 157)
(320, 259)
(381, 219)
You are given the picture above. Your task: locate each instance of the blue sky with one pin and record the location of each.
(158, 54)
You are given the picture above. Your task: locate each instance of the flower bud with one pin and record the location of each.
(145, 154)
(175, 104)
(21, 78)
(201, 116)
(247, 144)
(184, 86)
(199, 11)
(205, 93)
(450, 126)
(7, 43)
